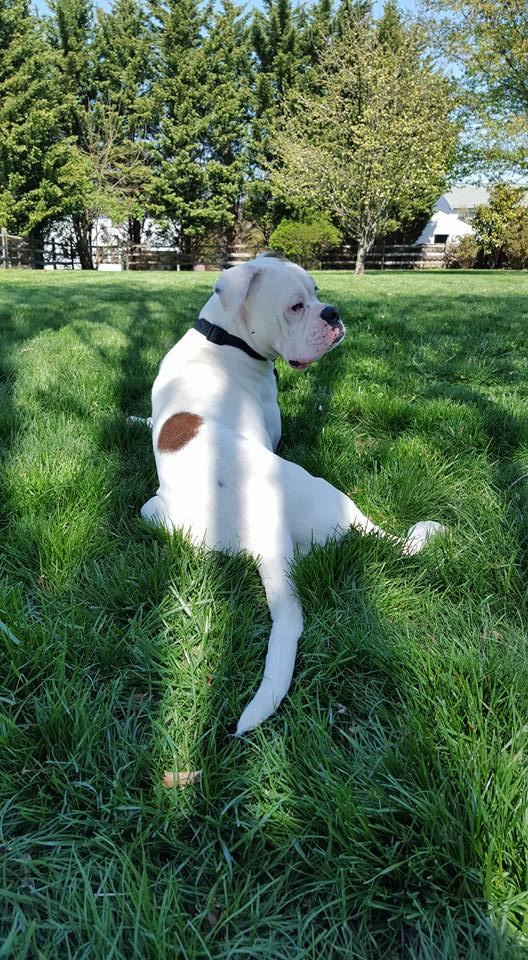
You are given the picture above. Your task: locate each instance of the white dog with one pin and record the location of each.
(215, 426)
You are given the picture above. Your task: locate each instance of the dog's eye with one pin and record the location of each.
(297, 306)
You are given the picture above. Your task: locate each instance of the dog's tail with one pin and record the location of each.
(286, 614)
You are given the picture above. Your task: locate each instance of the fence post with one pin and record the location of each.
(4, 248)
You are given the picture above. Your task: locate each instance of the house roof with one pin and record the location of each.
(466, 195)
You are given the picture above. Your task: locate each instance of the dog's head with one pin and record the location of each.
(273, 305)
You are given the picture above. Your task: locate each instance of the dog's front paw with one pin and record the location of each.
(419, 534)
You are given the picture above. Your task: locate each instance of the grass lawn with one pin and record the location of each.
(383, 812)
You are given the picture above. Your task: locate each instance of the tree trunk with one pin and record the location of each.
(365, 243)
(83, 235)
(186, 251)
(360, 258)
(134, 231)
(36, 243)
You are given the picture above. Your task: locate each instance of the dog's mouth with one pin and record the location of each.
(339, 334)
(300, 364)
(304, 364)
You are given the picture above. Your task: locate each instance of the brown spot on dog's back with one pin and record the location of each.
(177, 431)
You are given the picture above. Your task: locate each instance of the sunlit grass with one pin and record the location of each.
(382, 813)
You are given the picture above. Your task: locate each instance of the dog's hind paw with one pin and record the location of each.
(419, 534)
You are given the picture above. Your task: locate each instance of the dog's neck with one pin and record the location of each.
(235, 325)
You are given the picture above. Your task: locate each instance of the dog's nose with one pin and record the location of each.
(331, 316)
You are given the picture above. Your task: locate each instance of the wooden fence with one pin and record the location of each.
(59, 255)
(18, 252)
(389, 257)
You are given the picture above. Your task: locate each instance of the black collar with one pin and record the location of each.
(221, 337)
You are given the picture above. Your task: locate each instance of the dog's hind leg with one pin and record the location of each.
(287, 626)
(316, 511)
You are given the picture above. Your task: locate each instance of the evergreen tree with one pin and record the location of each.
(179, 186)
(349, 14)
(227, 112)
(71, 32)
(279, 61)
(276, 43)
(317, 27)
(391, 32)
(125, 106)
(34, 157)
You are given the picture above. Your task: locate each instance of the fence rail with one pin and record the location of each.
(389, 257)
(61, 255)
(17, 252)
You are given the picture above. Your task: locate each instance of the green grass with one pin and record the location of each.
(382, 813)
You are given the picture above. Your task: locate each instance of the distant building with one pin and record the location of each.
(453, 215)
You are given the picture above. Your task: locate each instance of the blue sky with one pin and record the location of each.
(409, 5)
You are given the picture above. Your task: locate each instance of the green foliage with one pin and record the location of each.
(279, 61)
(463, 253)
(227, 110)
(71, 32)
(125, 109)
(317, 26)
(373, 145)
(171, 111)
(305, 242)
(488, 42)
(179, 179)
(517, 241)
(202, 91)
(351, 13)
(391, 32)
(33, 152)
(499, 222)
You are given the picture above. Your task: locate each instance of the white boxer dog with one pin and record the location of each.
(215, 426)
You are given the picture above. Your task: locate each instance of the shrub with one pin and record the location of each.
(305, 242)
(462, 253)
(496, 223)
(516, 245)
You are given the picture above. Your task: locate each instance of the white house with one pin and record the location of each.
(454, 212)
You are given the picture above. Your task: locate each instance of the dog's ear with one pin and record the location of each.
(234, 286)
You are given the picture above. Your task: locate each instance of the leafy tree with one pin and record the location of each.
(33, 154)
(487, 40)
(373, 148)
